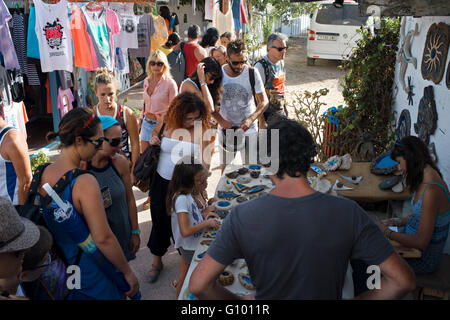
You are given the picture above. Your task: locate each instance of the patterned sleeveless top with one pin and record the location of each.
(431, 256)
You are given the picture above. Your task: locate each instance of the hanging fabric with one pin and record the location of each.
(160, 35)
(6, 43)
(32, 40)
(54, 36)
(18, 38)
(128, 37)
(83, 48)
(145, 30)
(236, 9)
(210, 7)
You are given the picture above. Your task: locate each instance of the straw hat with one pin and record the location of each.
(16, 233)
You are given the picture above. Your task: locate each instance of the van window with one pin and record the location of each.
(348, 15)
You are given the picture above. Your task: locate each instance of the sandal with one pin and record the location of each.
(156, 270)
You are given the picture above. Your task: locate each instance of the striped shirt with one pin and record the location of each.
(9, 184)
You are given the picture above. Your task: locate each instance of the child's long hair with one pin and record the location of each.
(183, 180)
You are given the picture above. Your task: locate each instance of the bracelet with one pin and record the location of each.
(137, 232)
(203, 84)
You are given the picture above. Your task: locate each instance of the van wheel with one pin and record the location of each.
(310, 61)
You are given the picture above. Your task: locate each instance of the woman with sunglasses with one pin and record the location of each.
(186, 111)
(159, 91)
(81, 135)
(113, 175)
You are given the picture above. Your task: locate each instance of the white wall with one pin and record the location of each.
(191, 18)
(441, 137)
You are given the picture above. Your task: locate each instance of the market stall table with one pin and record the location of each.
(227, 184)
(367, 189)
(239, 266)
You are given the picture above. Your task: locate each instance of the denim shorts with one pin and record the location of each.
(146, 129)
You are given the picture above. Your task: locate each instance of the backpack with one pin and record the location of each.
(177, 62)
(51, 285)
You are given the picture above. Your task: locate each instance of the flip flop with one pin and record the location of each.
(154, 277)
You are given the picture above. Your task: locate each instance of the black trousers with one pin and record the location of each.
(159, 240)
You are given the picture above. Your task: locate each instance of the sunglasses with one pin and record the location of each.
(97, 143)
(113, 142)
(280, 48)
(236, 63)
(159, 63)
(45, 265)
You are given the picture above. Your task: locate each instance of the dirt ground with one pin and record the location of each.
(300, 77)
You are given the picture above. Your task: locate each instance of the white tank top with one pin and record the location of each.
(9, 183)
(187, 80)
(172, 151)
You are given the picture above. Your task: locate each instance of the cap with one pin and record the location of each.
(16, 233)
(107, 121)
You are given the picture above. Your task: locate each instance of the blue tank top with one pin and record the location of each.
(431, 256)
(94, 284)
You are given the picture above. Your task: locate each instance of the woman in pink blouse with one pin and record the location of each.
(159, 90)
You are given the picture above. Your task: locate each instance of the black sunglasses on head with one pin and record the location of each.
(97, 143)
(113, 142)
(280, 48)
(159, 63)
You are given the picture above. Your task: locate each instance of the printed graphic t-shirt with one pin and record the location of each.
(128, 37)
(100, 34)
(54, 36)
(185, 203)
(237, 99)
(145, 30)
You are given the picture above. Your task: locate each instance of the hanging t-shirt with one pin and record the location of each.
(160, 35)
(145, 30)
(128, 37)
(209, 9)
(32, 41)
(54, 36)
(6, 43)
(100, 36)
(82, 43)
(65, 101)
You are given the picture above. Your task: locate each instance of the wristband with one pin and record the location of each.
(137, 232)
(203, 84)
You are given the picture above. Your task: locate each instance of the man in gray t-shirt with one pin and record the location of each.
(298, 242)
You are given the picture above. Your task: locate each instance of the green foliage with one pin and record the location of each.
(37, 160)
(367, 90)
(284, 9)
(307, 111)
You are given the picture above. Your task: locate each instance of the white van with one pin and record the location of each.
(332, 33)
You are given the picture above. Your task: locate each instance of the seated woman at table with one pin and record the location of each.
(186, 219)
(427, 227)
